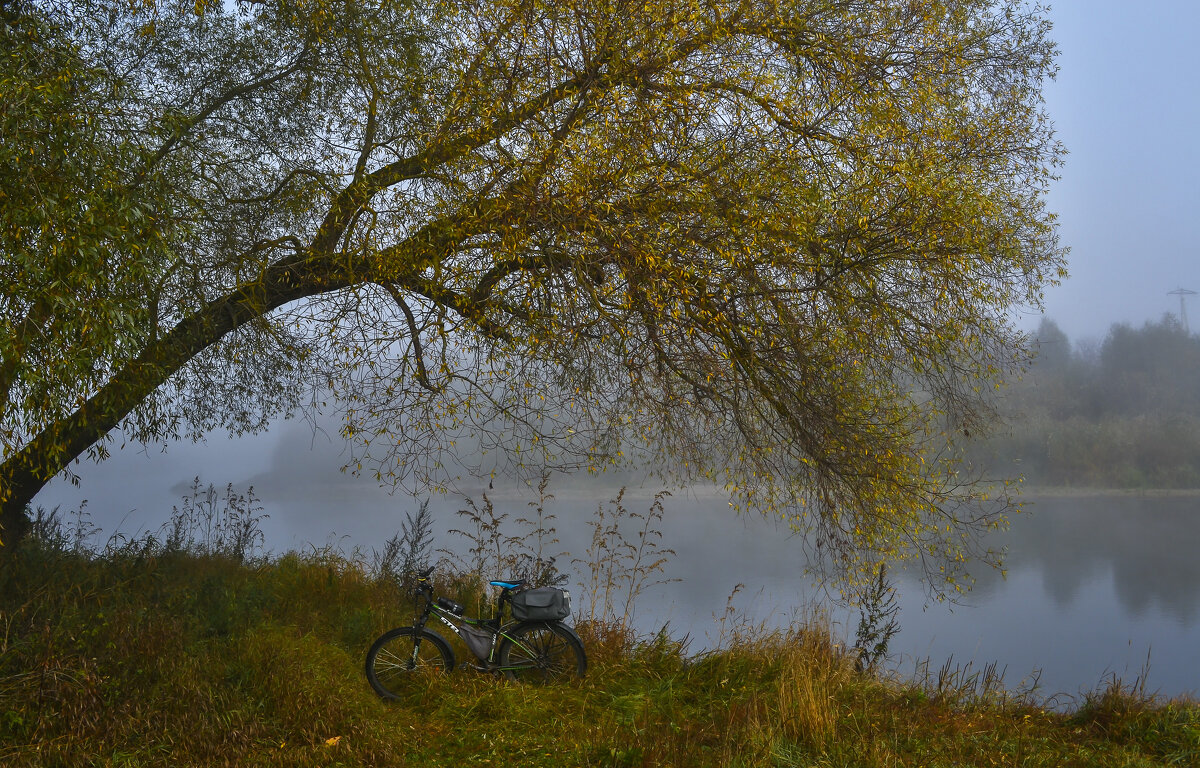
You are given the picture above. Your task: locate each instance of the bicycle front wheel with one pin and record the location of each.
(541, 652)
(399, 654)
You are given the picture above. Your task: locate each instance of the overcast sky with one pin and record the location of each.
(1125, 105)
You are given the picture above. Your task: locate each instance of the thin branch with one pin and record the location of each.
(415, 334)
(230, 95)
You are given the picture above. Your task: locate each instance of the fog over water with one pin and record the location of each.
(1094, 584)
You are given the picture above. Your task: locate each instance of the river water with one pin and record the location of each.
(1097, 587)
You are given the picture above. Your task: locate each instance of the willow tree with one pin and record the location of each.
(777, 243)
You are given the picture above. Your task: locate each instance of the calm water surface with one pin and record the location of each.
(1095, 587)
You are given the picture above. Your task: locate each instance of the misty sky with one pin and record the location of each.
(1125, 105)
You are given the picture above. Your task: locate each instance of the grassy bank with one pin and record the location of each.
(147, 656)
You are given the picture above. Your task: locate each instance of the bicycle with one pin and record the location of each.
(532, 650)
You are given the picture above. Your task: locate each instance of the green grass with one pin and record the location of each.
(147, 657)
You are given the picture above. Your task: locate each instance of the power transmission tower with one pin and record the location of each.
(1182, 293)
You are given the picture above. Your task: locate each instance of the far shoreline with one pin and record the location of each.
(1067, 491)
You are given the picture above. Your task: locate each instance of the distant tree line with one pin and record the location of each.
(1120, 413)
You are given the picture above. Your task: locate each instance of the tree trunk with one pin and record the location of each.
(14, 524)
(25, 473)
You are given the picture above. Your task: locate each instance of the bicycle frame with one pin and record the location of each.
(454, 621)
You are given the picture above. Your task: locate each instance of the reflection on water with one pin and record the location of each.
(1146, 545)
(1096, 587)
(1094, 584)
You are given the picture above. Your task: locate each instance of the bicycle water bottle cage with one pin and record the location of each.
(507, 584)
(451, 606)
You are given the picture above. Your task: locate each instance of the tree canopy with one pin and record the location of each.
(777, 242)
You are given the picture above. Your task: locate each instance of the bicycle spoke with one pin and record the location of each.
(541, 652)
(398, 654)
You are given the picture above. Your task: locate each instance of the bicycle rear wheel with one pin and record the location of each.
(541, 652)
(399, 654)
